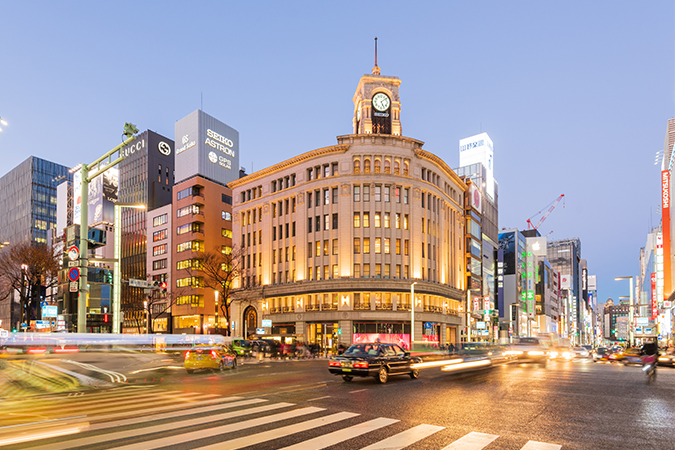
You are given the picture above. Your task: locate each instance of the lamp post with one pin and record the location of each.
(630, 309)
(147, 317)
(117, 275)
(412, 314)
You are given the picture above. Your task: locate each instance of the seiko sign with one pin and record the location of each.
(219, 142)
(133, 148)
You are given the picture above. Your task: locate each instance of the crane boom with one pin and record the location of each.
(553, 205)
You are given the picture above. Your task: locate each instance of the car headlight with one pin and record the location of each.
(535, 353)
(513, 352)
(664, 358)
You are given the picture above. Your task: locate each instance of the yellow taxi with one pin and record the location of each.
(210, 358)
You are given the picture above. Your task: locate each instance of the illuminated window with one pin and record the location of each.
(378, 245)
(366, 220)
(226, 233)
(387, 166)
(357, 220)
(326, 250)
(386, 245)
(398, 220)
(378, 224)
(366, 165)
(366, 246)
(357, 246)
(387, 220)
(377, 166)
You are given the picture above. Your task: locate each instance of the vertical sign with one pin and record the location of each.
(665, 218)
(653, 309)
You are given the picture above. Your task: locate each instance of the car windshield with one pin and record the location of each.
(363, 349)
(527, 341)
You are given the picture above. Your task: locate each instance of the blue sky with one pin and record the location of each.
(574, 94)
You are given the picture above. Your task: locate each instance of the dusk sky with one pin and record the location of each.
(575, 95)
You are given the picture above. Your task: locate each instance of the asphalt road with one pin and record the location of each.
(575, 405)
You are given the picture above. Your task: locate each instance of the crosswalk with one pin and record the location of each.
(145, 418)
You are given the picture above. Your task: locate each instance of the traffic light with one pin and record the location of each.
(163, 287)
(105, 318)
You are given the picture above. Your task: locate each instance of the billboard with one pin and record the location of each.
(536, 245)
(665, 219)
(565, 281)
(475, 198)
(207, 147)
(507, 244)
(102, 197)
(479, 149)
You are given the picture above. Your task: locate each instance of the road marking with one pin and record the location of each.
(472, 441)
(360, 390)
(280, 432)
(406, 438)
(318, 398)
(534, 445)
(201, 434)
(345, 434)
(71, 396)
(113, 436)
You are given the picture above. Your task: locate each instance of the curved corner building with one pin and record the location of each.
(334, 240)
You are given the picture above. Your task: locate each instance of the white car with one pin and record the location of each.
(581, 352)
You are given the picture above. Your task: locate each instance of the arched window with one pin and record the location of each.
(405, 168)
(357, 166)
(387, 166)
(377, 166)
(397, 167)
(366, 166)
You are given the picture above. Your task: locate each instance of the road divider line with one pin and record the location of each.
(534, 445)
(318, 398)
(278, 433)
(406, 438)
(201, 434)
(472, 441)
(345, 434)
(136, 432)
(359, 390)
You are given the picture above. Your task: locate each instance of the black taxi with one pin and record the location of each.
(374, 360)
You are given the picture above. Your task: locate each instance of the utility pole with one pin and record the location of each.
(88, 173)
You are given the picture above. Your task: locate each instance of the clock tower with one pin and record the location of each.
(377, 108)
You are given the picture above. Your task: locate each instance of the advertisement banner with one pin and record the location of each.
(654, 311)
(565, 281)
(665, 219)
(402, 340)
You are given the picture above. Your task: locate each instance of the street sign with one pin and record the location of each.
(260, 331)
(139, 283)
(73, 253)
(4, 334)
(267, 323)
(49, 311)
(73, 263)
(74, 274)
(73, 286)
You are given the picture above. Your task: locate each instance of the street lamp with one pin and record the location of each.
(630, 309)
(412, 314)
(117, 275)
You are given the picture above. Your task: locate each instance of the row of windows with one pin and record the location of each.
(193, 227)
(329, 221)
(381, 245)
(252, 216)
(281, 229)
(251, 194)
(159, 264)
(188, 192)
(380, 220)
(160, 235)
(281, 206)
(159, 250)
(189, 264)
(195, 282)
(246, 238)
(329, 196)
(283, 183)
(195, 246)
(378, 166)
(186, 210)
(196, 301)
(400, 195)
(287, 256)
(160, 220)
(327, 170)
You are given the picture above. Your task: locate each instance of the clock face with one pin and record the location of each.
(381, 102)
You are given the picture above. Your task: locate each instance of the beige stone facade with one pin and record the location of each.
(335, 237)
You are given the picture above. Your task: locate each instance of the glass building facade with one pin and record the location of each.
(28, 209)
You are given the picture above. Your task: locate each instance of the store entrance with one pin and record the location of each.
(322, 337)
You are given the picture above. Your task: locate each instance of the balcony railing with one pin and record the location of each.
(361, 305)
(328, 307)
(388, 306)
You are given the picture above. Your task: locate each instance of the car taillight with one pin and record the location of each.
(360, 365)
(333, 364)
(187, 354)
(213, 354)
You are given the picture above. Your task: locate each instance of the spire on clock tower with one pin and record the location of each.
(376, 70)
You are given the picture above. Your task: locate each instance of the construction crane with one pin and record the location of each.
(551, 206)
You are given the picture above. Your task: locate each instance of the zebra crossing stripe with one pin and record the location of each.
(81, 402)
(280, 432)
(472, 441)
(406, 438)
(534, 445)
(127, 434)
(342, 435)
(201, 434)
(136, 412)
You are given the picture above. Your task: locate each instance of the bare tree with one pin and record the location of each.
(159, 302)
(30, 269)
(218, 270)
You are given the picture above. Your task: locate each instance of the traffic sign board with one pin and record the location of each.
(139, 283)
(74, 274)
(73, 286)
(73, 253)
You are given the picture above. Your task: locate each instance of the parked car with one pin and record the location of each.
(210, 358)
(374, 360)
(527, 349)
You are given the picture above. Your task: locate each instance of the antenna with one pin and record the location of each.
(376, 70)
